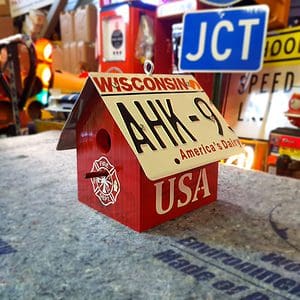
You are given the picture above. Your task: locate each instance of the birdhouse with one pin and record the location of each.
(148, 146)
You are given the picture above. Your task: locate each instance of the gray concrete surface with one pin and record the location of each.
(244, 246)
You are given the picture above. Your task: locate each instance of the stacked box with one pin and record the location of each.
(73, 57)
(4, 8)
(6, 27)
(66, 57)
(57, 57)
(66, 20)
(78, 34)
(6, 22)
(86, 56)
(85, 21)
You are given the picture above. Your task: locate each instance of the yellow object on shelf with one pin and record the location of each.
(44, 125)
(67, 82)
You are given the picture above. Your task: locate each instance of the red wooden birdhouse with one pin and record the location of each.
(148, 146)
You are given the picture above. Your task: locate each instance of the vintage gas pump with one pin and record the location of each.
(126, 36)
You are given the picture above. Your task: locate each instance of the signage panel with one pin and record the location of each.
(224, 40)
(255, 104)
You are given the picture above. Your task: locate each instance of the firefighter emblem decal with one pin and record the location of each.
(106, 185)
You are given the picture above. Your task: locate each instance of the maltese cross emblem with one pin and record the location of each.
(106, 185)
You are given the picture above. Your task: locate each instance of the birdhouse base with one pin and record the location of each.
(140, 203)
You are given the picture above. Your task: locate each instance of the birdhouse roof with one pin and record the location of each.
(168, 121)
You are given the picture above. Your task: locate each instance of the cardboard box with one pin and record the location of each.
(66, 20)
(57, 57)
(4, 8)
(86, 23)
(86, 57)
(74, 64)
(147, 146)
(78, 57)
(7, 27)
(66, 56)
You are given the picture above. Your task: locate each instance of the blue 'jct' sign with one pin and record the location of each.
(224, 40)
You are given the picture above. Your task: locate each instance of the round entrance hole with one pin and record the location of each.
(103, 140)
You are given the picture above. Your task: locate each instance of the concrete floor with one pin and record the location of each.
(244, 246)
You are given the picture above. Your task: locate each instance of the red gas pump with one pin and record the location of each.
(126, 36)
